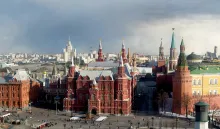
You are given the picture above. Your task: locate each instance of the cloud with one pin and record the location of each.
(44, 25)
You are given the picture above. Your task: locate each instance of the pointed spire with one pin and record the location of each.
(123, 44)
(161, 44)
(121, 62)
(173, 42)
(182, 57)
(182, 43)
(69, 42)
(72, 61)
(100, 44)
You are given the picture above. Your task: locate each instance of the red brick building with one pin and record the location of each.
(18, 91)
(99, 91)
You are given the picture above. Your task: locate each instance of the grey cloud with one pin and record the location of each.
(44, 25)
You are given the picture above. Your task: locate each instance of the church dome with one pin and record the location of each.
(194, 58)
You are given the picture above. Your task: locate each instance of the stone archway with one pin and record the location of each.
(94, 111)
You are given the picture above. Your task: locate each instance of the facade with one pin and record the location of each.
(18, 91)
(99, 91)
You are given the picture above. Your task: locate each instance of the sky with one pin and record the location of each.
(43, 26)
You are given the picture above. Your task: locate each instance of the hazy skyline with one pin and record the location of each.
(44, 25)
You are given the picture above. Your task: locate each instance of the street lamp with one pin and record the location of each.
(57, 98)
(64, 125)
(30, 105)
(176, 121)
(152, 121)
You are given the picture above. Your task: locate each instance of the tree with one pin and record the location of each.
(215, 109)
(186, 102)
(162, 99)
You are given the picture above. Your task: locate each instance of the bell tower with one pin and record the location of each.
(182, 82)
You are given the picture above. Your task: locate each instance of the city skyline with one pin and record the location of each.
(36, 26)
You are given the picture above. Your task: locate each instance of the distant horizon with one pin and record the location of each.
(44, 26)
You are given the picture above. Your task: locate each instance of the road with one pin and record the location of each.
(113, 122)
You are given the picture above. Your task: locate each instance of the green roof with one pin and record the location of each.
(200, 103)
(212, 69)
(172, 42)
(193, 56)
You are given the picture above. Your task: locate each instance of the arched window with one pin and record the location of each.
(211, 81)
(194, 82)
(102, 98)
(216, 81)
(199, 82)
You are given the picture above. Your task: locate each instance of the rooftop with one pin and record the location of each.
(204, 69)
(95, 74)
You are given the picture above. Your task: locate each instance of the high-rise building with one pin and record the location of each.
(68, 52)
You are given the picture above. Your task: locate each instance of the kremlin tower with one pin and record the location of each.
(182, 82)
(100, 54)
(161, 61)
(123, 53)
(173, 55)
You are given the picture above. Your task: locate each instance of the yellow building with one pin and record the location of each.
(205, 79)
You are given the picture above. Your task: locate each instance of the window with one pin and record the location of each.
(198, 93)
(215, 92)
(102, 98)
(194, 93)
(216, 81)
(199, 82)
(211, 81)
(194, 82)
(210, 92)
(109, 97)
(120, 97)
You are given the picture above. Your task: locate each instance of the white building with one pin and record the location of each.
(68, 52)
